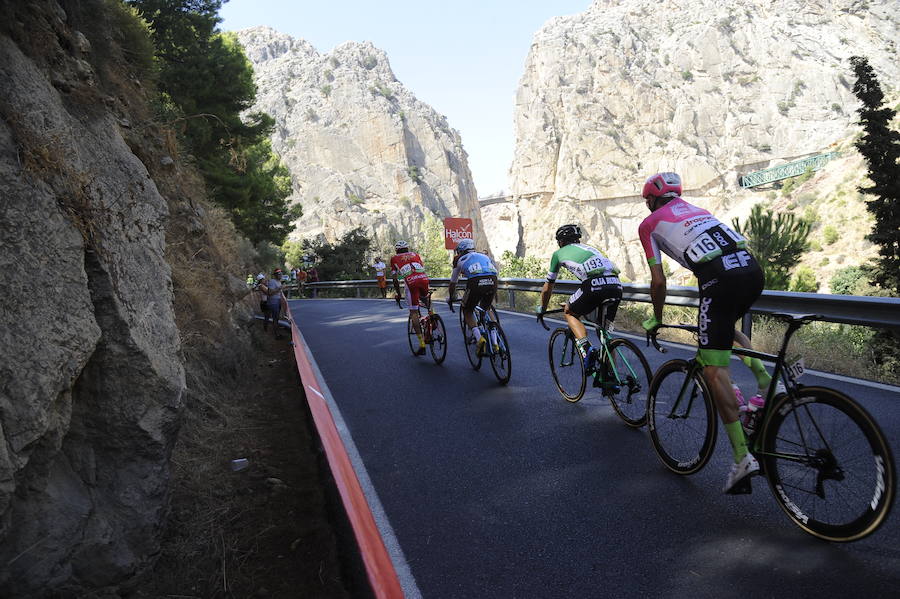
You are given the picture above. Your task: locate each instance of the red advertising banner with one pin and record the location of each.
(456, 229)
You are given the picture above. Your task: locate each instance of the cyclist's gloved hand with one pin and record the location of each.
(651, 324)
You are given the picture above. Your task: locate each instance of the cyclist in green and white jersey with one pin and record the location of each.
(599, 281)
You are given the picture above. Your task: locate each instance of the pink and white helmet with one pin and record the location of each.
(662, 185)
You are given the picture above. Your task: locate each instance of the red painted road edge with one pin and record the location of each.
(379, 567)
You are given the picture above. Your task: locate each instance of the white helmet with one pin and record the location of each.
(465, 245)
(401, 245)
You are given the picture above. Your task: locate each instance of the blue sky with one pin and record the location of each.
(464, 58)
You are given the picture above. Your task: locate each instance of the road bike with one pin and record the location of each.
(496, 348)
(433, 331)
(828, 464)
(620, 370)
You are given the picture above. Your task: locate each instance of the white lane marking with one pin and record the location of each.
(401, 565)
(824, 375)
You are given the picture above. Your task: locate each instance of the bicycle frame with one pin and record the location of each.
(779, 371)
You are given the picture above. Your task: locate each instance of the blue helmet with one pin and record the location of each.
(465, 245)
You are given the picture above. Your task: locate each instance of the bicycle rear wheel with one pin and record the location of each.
(566, 364)
(632, 374)
(828, 464)
(501, 360)
(438, 339)
(682, 418)
(411, 336)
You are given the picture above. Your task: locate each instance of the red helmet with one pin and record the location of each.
(662, 185)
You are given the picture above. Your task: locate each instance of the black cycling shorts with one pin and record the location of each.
(728, 287)
(594, 292)
(479, 291)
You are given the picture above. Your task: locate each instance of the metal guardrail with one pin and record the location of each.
(878, 312)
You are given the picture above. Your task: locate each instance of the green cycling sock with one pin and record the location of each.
(738, 440)
(759, 371)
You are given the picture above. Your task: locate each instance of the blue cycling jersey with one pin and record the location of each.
(473, 264)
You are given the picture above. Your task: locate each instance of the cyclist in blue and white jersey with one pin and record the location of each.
(481, 286)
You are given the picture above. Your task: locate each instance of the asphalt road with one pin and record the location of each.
(513, 492)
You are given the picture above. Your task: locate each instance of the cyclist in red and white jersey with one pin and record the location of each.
(729, 279)
(407, 266)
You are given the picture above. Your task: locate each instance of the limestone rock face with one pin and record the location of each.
(90, 375)
(709, 89)
(361, 149)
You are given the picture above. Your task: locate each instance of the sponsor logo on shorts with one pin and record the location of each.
(736, 260)
(709, 284)
(703, 320)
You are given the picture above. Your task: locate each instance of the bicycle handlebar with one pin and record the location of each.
(651, 335)
(540, 317)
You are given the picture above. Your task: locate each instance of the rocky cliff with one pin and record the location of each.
(92, 374)
(361, 149)
(712, 90)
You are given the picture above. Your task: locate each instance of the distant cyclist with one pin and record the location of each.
(481, 286)
(729, 279)
(599, 281)
(407, 266)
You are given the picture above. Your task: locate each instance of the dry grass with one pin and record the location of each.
(830, 347)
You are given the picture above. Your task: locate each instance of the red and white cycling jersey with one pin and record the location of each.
(690, 235)
(408, 267)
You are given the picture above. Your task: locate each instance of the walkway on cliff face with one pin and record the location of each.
(737, 172)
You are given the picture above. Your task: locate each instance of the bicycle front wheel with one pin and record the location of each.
(631, 375)
(501, 360)
(566, 364)
(411, 336)
(438, 339)
(681, 417)
(828, 464)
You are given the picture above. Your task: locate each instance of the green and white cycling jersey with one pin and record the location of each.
(581, 260)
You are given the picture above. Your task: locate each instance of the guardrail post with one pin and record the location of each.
(359, 292)
(512, 299)
(747, 325)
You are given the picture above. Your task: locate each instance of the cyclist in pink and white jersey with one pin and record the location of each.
(730, 280)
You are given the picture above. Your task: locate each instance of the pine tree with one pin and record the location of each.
(880, 146)
(777, 242)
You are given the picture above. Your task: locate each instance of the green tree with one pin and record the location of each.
(777, 242)
(432, 250)
(293, 253)
(847, 281)
(205, 87)
(527, 267)
(343, 260)
(880, 146)
(804, 280)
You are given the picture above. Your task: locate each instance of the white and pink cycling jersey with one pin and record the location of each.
(690, 235)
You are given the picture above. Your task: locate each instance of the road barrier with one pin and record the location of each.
(380, 571)
(877, 312)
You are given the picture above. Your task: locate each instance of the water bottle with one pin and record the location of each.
(749, 414)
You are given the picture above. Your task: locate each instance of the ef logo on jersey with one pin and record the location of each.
(736, 260)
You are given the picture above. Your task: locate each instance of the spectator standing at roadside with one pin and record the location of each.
(312, 276)
(379, 267)
(260, 288)
(302, 277)
(275, 301)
